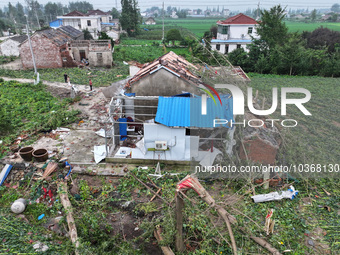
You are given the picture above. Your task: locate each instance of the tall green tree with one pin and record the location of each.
(313, 15)
(271, 28)
(173, 35)
(130, 17)
(115, 13)
(82, 6)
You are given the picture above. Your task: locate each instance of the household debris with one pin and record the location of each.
(269, 225)
(165, 249)
(4, 173)
(289, 194)
(19, 205)
(40, 247)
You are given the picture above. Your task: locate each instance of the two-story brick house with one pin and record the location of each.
(234, 32)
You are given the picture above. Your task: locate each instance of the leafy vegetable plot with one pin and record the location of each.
(29, 108)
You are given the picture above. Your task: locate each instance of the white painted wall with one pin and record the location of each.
(9, 48)
(236, 32)
(80, 23)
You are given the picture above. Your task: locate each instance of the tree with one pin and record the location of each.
(87, 35)
(335, 8)
(213, 31)
(173, 35)
(322, 38)
(130, 17)
(313, 15)
(81, 6)
(271, 28)
(115, 13)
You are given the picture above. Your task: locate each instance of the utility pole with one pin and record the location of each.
(163, 25)
(116, 6)
(29, 42)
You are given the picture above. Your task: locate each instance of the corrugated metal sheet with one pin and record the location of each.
(186, 111)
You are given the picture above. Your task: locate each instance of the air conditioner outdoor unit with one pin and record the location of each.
(161, 145)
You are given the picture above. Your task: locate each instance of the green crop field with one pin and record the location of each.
(302, 26)
(199, 25)
(315, 139)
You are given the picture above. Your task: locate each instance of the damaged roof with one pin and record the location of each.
(75, 13)
(19, 38)
(170, 62)
(239, 19)
(96, 12)
(56, 36)
(71, 31)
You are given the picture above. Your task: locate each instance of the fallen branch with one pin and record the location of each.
(62, 190)
(261, 242)
(191, 182)
(141, 182)
(165, 249)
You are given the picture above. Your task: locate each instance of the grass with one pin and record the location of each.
(100, 76)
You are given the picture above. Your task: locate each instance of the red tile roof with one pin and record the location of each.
(172, 62)
(239, 19)
(75, 13)
(96, 12)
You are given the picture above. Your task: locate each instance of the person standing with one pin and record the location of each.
(90, 85)
(65, 77)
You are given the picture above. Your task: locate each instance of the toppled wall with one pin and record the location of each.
(46, 53)
(9, 48)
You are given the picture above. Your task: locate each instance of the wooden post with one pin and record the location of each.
(62, 190)
(179, 223)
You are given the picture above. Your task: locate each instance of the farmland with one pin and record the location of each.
(100, 77)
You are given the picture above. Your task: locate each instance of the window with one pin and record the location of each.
(218, 46)
(223, 30)
(238, 46)
(226, 49)
(89, 23)
(250, 30)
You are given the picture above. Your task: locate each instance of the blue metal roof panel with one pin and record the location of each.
(186, 112)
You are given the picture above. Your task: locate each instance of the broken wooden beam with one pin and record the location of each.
(62, 190)
(165, 249)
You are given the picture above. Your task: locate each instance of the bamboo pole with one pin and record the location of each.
(62, 190)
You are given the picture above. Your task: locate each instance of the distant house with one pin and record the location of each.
(150, 21)
(50, 50)
(174, 15)
(82, 21)
(10, 47)
(105, 17)
(56, 48)
(234, 32)
(97, 53)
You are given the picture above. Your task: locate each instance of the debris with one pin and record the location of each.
(99, 153)
(327, 193)
(165, 249)
(4, 173)
(40, 247)
(51, 167)
(290, 193)
(269, 225)
(327, 208)
(68, 165)
(310, 242)
(41, 216)
(141, 182)
(19, 205)
(191, 182)
(186, 183)
(62, 189)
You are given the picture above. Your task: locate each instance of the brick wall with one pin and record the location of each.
(46, 53)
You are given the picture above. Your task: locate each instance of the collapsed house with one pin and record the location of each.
(157, 115)
(52, 49)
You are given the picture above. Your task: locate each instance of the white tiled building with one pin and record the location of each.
(234, 32)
